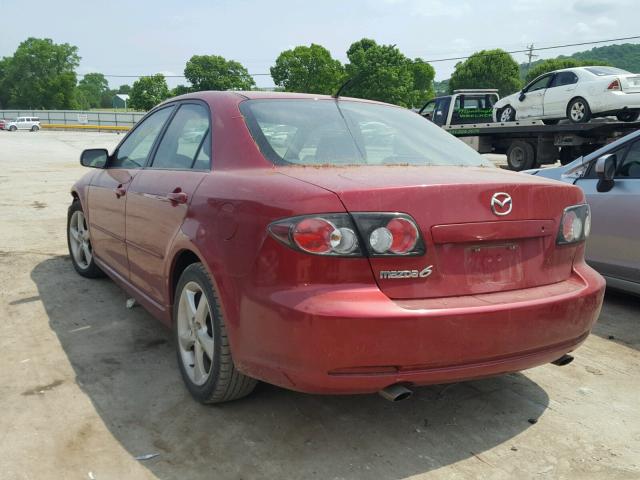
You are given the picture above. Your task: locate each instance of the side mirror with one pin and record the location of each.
(606, 171)
(94, 158)
(522, 96)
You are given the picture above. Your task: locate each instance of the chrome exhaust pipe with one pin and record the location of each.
(395, 393)
(563, 360)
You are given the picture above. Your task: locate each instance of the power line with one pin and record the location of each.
(539, 49)
(529, 51)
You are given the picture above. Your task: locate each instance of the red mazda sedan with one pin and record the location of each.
(332, 246)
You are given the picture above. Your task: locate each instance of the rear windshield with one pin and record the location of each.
(326, 132)
(603, 71)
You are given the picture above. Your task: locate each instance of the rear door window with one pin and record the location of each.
(473, 109)
(183, 139)
(564, 78)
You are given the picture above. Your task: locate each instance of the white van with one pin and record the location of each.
(23, 123)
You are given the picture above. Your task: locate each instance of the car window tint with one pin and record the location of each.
(564, 78)
(326, 132)
(630, 166)
(135, 149)
(539, 84)
(181, 142)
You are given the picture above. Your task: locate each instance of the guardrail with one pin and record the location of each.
(85, 120)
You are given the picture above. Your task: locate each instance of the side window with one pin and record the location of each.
(441, 110)
(564, 78)
(539, 84)
(427, 110)
(630, 166)
(181, 144)
(135, 149)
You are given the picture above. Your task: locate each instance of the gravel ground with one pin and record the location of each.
(86, 385)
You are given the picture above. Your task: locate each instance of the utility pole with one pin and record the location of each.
(530, 55)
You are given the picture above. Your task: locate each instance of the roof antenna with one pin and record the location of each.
(343, 86)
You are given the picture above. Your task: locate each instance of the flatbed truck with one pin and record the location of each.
(467, 114)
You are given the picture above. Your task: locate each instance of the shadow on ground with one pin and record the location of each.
(124, 362)
(620, 319)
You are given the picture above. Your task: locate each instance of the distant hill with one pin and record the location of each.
(625, 56)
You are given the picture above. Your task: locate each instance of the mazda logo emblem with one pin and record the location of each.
(501, 204)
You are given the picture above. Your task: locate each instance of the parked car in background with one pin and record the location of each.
(292, 245)
(23, 123)
(610, 179)
(577, 94)
(3, 122)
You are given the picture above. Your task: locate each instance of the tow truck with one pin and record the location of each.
(468, 115)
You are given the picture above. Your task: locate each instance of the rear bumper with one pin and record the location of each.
(329, 340)
(615, 101)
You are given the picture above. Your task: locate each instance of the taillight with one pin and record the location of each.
(382, 234)
(575, 225)
(615, 85)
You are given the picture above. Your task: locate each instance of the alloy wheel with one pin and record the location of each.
(79, 240)
(578, 111)
(195, 333)
(506, 114)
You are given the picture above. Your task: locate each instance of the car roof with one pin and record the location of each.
(214, 95)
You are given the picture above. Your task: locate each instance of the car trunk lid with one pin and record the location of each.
(470, 249)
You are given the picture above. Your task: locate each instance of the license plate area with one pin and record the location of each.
(491, 266)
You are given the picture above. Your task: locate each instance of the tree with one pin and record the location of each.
(125, 89)
(180, 90)
(382, 72)
(487, 69)
(92, 88)
(147, 92)
(41, 74)
(4, 88)
(308, 69)
(213, 72)
(556, 64)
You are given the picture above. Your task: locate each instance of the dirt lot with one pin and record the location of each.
(86, 385)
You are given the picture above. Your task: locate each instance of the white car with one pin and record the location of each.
(23, 123)
(578, 94)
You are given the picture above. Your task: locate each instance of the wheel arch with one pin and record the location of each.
(180, 261)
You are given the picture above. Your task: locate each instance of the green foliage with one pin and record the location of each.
(91, 90)
(213, 72)
(487, 69)
(308, 69)
(147, 92)
(40, 74)
(180, 90)
(556, 64)
(625, 56)
(382, 72)
(441, 88)
(125, 89)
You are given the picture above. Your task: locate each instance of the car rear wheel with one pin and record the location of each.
(507, 114)
(628, 116)
(521, 156)
(202, 344)
(79, 243)
(578, 111)
(35, 128)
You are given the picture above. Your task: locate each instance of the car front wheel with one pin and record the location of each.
(79, 243)
(578, 111)
(507, 114)
(204, 355)
(13, 128)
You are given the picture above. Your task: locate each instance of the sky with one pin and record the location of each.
(143, 37)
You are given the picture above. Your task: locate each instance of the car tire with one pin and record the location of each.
(35, 128)
(550, 122)
(628, 116)
(578, 111)
(202, 344)
(13, 128)
(521, 156)
(509, 114)
(79, 243)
